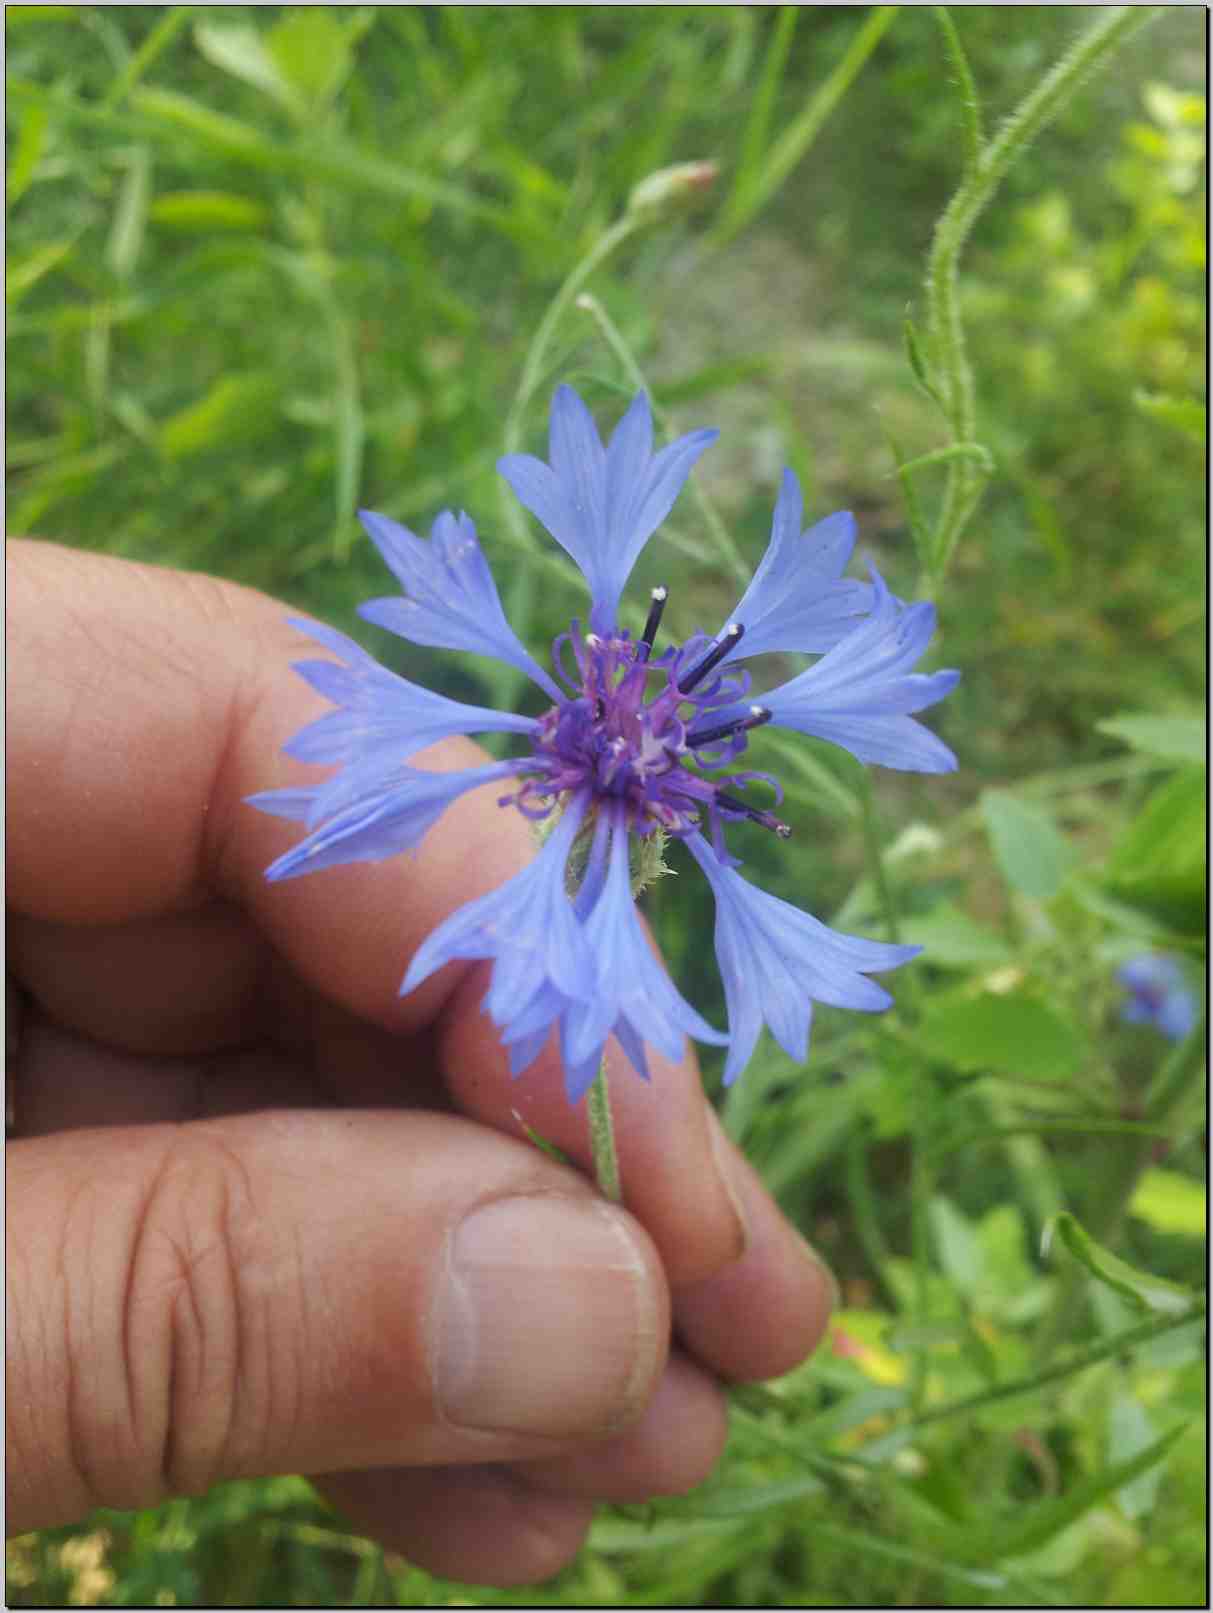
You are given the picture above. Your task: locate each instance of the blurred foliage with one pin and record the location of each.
(269, 263)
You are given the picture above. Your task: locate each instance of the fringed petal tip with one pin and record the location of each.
(776, 961)
(602, 504)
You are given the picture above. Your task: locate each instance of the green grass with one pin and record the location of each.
(266, 264)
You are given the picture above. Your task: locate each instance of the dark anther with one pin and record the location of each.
(644, 645)
(599, 708)
(725, 730)
(767, 820)
(712, 659)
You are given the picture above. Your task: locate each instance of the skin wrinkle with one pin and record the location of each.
(76, 1396)
(26, 1344)
(167, 1253)
(304, 1349)
(272, 1354)
(191, 1326)
(239, 1213)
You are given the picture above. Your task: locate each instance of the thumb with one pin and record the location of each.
(303, 1292)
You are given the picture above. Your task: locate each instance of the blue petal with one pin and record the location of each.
(527, 926)
(578, 460)
(1161, 995)
(860, 693)
(799, 599)
(526, 1049)
(1177, 1017)
(898, 742)
(451, 601)
(631, 988)
(293, 804)
(537, 487)
(540, 1014)
(602, 505)
(379, 712)
(392, 816)
(776, 960)
(578, 1073)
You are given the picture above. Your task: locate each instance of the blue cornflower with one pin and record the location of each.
(622, 750)
(1159, 995)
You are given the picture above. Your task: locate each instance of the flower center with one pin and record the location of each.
(634, 725)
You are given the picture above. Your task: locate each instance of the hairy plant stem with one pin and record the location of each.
(984, 173)
(602, 1138)
(875, 854)
(1102, 1350)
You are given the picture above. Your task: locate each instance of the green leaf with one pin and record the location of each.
(957, 1244)
(1123, 916)
(1012, 1032)
(1174, 739)
(28, 149)
(953, 940)
(1033, 856)
(130, 217)
(326, 158)
(778, 158)
(976, 452)
(24, 274)
(238, 49)
(180, 114)
(236, 407)
(14, 16)
(541, 1142)
(1144, 1293)
(1188, 415)
(207, 211)
(311, 51)
(1130, 1431)
(1170, 1202)
(1048, 1519)
(917, 359)
(1159, 863)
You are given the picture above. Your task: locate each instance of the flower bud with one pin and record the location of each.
(669, 189)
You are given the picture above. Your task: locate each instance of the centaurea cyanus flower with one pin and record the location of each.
(636, 741)
(1159, 995)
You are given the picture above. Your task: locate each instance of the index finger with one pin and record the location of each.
(144, 706)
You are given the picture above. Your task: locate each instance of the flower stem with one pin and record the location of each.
(532, 368)
(602, 1139)
(984, 173)
(1104, 1349)
(876, 862)
(721, 536)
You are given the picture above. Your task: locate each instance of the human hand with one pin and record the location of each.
(265, 1215)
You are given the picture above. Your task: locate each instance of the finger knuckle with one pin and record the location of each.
(195, 1328)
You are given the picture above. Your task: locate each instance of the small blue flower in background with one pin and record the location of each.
(623, 749)
(1159, 995)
